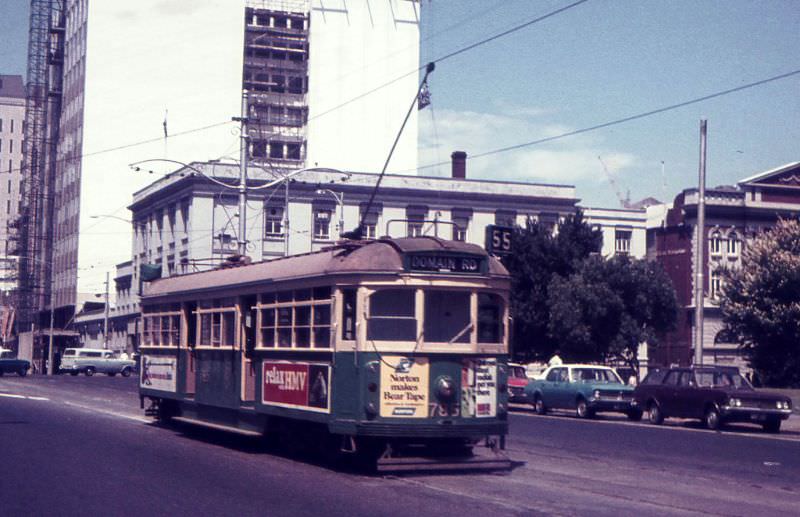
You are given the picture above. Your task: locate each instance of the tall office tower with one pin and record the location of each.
(12, 116)
(117, 83)
(308, 66)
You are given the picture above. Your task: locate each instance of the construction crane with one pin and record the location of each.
(624, 202)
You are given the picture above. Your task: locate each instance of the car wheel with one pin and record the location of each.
(582, 409)
(654, 414)
(22, 372)
(634, 415)
(711, 419)
(89, 371)
(538, 405)
(74, 374)
(126, 372)
(772, 426)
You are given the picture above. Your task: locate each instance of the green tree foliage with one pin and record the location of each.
(607, 307)
(538, 256)
(761, 304)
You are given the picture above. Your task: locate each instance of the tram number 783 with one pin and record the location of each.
(439, 409)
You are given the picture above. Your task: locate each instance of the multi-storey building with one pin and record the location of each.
(107, 79)
(12, 117)
(733, 215)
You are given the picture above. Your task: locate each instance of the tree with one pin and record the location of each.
(538, 255)
(607, 307)
(761, 304)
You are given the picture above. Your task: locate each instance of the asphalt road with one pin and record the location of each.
(77, 445)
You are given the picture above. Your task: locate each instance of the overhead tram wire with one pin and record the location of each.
(350, 101)
(624, 119)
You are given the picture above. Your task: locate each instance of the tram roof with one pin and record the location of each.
(373, 257)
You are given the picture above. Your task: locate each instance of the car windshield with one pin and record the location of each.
(518, 371)
(722, 379)
(595, 375)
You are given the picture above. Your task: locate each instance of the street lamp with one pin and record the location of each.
(339, 197)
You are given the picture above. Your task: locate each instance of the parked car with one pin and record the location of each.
(9, 363)
(714, 395)
(93, 360)
(517, 380)
(585, 388)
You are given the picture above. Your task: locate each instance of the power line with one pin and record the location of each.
(625, 119)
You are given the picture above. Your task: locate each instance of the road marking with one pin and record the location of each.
(742, 433)
(111, 413)
(13, 396)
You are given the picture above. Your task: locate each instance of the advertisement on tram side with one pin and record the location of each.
(159, 373)
(296, 385)
(479, 388)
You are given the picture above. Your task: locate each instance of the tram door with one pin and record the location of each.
(248, 364)
(188, 364)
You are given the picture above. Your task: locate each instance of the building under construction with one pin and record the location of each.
(48, 220)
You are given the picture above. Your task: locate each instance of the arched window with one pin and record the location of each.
(733, 244)
(716, 243)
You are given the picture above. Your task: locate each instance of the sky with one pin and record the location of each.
(594, 63)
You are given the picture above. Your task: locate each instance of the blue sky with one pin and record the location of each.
(591, 64)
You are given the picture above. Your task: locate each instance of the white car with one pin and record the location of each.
(95, 360)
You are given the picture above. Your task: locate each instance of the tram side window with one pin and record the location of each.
(490, 318)
(447, 317)
(217, 320)
(296, 319)
(349, 313)
(392, 315)
(161, 325)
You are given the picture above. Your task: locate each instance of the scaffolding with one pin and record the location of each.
(43, 109)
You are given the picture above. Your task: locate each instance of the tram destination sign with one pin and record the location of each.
(446, 263)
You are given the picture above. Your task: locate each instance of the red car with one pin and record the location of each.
(517, 380)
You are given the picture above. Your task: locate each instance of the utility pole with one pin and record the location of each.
(50, 351)
(700, 249)
(105, 318)
(243, 153)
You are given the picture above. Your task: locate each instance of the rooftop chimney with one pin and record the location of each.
(459, 164)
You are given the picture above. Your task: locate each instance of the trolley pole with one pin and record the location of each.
(243, 152)
(105, 318)
(700, 249)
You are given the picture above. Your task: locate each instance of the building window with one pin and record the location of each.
(622, 242)
(460, 219)
(415, 216)
(273, 225)
(370, 220)
(322, 224)
(716, 285)
(295, 319)
(505, 218)
(733, 245)
(716, 244)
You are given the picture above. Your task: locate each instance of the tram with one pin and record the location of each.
(392, 349)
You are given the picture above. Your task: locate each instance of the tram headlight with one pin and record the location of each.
(445, 388)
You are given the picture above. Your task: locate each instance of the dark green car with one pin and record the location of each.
(10, 364)
(584, 388)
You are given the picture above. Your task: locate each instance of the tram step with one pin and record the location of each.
(428, 463)
(218, 427)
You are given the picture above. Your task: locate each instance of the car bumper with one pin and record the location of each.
(751, 414)
(611, 404)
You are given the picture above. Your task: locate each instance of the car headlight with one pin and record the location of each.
(735, 402)
(596, 394)
(782, 404)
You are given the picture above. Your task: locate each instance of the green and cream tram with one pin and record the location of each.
(395, 348)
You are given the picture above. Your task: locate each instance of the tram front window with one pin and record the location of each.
(447, 318)
(392, 315)
(490, 318)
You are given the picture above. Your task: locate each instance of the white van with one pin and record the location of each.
(95, 360)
